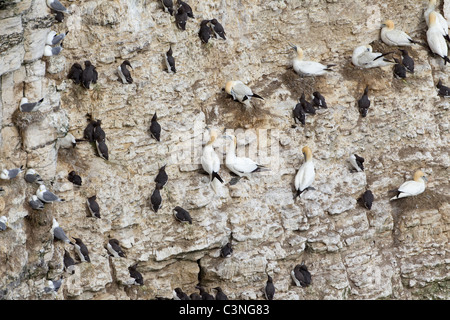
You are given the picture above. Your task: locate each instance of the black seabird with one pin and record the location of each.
(161, 178)
(69, 263)
(124, 73)
(182, 215)
(205, 295)
(443, 91)
(357, 162)
(59, 16)
(155, 128)
(138, 279)
(307, 106)
(407, 61)
(269, 289)
(399, 70)
(35, 203)
(299, 113)
(220, 295)
(319, 100)
(178, 294)
(76, 70)
(81, 250)
(367, 198)
(26, 106)
(218, 29)
(114, 248)
(195, 296)
(187, 8)
(170, 61)
(168, 6)
(88, 132)
(226, 251)
(205, 31)
(181, 18)
(364, 102)
(99, 134)
(301, 276)
(102, 149)
(156, 200)
(93, 206)
(89, 75)
(74, 178)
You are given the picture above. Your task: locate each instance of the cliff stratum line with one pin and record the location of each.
(395, 250)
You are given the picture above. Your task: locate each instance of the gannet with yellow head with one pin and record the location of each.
(306, 174)
(240, 92)
(412, 187)
(395, 37)
(210, 160)
(308, 68)
(435, 40)
(440, 19)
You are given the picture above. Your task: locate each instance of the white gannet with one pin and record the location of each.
(240, 92)
(306, 174)
(363, 57)
(435, 40)
(210, 160)
(440, 19)
(412, 187)
(308, 68)
(395, 37)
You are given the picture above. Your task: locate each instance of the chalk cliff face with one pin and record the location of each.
(396, 250)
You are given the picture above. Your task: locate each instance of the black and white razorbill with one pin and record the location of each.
(156, 199)
(102, 149)
(226, 251)
(99, 134)
(220, 295)
(181, 18)
(26, 106)
(319, 100)
(138, 279)
(161, 178)
(367, 199)
(74, 178)
(89, 75)
(114, 248)
(299, 114)
(356, 162)
(443, 91)
(35, 203)
(75, 72)
(168, 6)
(93, 206)
(269, 289)
(182, 215)
(81, 250)
(88, 132)
(155, 128)
(187, 8)
(218, 29)
(170, 61)
(364, 102)
(399, 69)
(307, 106)
(69, 263)
(205, 31)
(178, 294)
(407, 61)
(301, 276)
(124, 73)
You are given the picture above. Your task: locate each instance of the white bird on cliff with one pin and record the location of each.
(412, 187)
(53, 38)
(306, 174)
(363, 57)
(10, 174)
(356, 162)
(435, 40)
(32, 176)
(210, 160)
(52, 51)
(308, 68)
(240, 92)
(57, 6)
(3, 223)
(395, 37)
(59, 233)
(46, 196)
(439, 18)
(26, 106)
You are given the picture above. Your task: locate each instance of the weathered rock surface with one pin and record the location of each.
(397, 250)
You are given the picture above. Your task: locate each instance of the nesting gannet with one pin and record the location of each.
(136, 275)
(53, 38)
(178, 294)
(308, 68)
(114, 248)
(26, 106)
(319, 100)
(46, 196)
(182, 215)
(226, 251)
(69, 263)
(93, 206)
(269, 289)
(307, 106)
(89, 75)
(181, 18)
(435, 40)
(81, 250)
(35, 203)
(124, 73)
(187, 8)
(10, 174)
(57, 6)
(32, 176)
(240, 92)
(443, 91)
(367, 199)
(301, 276)
(210, 160)
(306, 174)
(76, 70)
(168, 6)
(363, 57)
(74, 178)
(220, 295)
(155, 128)
(299, 113)
(170, 61)
(364, 102)
(240, 165)
(205, 31)
(395, 37)
(407, 61)
(219, 32)
(442, 22)
(3, 223)
(52, 51)
(58, 233)
(412, 187)
(356, 162)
